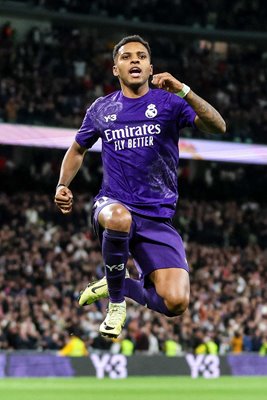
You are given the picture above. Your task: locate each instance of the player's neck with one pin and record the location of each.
(134, 92)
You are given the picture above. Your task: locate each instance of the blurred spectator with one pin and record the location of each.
(7, 34)
(198, 345)
(75, 346)
(211, 346)
(256, 341)
(247, 340)
(127, 346)
(237, 343)
(263, 349)
(3, 341)
(153, 345)
(172, 346)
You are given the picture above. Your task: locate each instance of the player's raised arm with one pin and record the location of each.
(71, 164)
(208, 119)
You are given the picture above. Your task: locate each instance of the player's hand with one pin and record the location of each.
(64, 199)
(167, 82)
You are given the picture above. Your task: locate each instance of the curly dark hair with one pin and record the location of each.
(129, 39)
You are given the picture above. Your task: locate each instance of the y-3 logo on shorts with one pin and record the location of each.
(119, 267)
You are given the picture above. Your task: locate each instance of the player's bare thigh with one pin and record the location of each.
(116, 217)
(173, 285)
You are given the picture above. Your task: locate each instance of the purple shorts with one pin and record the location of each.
(154, 242)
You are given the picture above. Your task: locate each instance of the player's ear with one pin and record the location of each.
(151, 69)
(115, 70)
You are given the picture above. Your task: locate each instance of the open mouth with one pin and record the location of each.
(135, 72)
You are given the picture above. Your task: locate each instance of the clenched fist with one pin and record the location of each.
(64, 199)
(168, 82)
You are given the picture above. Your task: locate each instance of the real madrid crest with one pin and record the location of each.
(151, 111)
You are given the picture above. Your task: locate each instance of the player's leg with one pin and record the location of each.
(160, 257)
(168, 291)
(115, 220)
(169, 294)
(135, 290)
(172, 285)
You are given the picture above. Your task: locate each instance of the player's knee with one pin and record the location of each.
(119, 219)
(178, 303)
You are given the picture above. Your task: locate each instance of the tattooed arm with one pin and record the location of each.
(207, 119)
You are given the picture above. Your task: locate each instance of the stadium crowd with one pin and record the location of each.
(239, 15)
(50, 76)
(47, 258)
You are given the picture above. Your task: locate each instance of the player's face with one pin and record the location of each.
(132, 65)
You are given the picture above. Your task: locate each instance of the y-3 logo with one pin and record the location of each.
(111, 117)
(119, 267)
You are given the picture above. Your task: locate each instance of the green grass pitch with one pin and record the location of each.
(134, 388)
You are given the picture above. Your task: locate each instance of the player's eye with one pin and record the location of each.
(142, 56)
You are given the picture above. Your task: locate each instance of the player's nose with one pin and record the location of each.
(135, 60)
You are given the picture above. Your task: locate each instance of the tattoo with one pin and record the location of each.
(210, 119)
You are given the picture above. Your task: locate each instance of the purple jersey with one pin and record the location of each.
(139, 148)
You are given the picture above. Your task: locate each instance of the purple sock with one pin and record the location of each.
(135, 290)
(115, 250)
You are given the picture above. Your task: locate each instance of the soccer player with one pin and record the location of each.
(139, 128)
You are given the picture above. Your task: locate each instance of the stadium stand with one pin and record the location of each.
(49, 77)
(242, 15)
(72, 68)
(46, 259)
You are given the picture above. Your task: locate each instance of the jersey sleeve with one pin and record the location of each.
(184, 113)
(87, 135)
